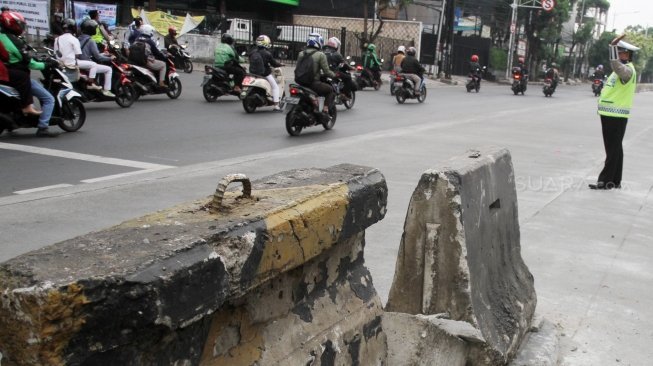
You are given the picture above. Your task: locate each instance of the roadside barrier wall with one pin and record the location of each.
(460, 259)
(273, 277)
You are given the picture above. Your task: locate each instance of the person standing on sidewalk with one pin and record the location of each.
(614, 108)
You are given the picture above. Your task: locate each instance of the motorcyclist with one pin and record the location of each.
(90, 52)
(262, 56)
(55, 27)
(171, 38)
(396, 60)
(335, 60)
(372, 64)
(553, 74)
(320, 67)
(475, 68)
(413, 69)
(135, 29)
(101, 33)
(599, 73)
(69, 52)
(13, 25)
(523, 70)
(18, 79)
(226, 59)
(156, 61)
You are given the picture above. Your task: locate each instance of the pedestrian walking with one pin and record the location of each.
(614, 107)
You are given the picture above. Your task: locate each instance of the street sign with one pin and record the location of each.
(548, 5)
(513, 27)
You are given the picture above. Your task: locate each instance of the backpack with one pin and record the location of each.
(304, 72)
(256, 64)
(138, 53)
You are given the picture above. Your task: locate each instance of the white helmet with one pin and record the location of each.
(147, 30)
(627, 46)
(401, 49)
(333, 42)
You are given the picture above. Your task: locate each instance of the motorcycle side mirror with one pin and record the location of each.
(348, 57)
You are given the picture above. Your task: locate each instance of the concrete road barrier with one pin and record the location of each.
(272, 278)
(460, 254)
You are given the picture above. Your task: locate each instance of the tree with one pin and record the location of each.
(380, 5)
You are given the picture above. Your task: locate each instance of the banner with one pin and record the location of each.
(161, 21)
(107, 12)
(35, 13)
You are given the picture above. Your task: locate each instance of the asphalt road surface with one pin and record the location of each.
(589, 251)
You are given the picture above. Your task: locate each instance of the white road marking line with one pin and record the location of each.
(121, 175)
(40, 189)
(83, 157)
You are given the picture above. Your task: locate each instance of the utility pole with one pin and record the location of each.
(438, 53)
(365, 20)
(513, 29)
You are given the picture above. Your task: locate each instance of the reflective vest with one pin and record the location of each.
(97, 37)
(617, 98)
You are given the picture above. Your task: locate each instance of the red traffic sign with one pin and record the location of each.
(548, 5)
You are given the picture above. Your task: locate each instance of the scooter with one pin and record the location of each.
(145, 82)
(217, 82)
(342, 98)
(393, 76)
(69, 112)
(183, 59)
(518, 81)
(363, 80)
(597, 86)
(474, 81)
(547, 87)
(121, 86)
(257, 91)
(304, 109)
(405, 89)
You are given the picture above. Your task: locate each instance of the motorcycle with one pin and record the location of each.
(363, 80)
(69, 112)
(393, 76)
(597, 86)
(304, 109)
(145, 82)
(405, 89)
(342, 98)
(257, 91)
(474, 82)
(547, 87)
(518, 81)
(217, 82)
(183, 59)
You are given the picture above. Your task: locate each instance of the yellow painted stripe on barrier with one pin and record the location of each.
(301, 232)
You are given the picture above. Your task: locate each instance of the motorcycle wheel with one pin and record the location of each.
(422, 95)
(73, 115)
(352, 99)
(333, 112)
(515, 91)
(392, 88)
(400, 96)
(377, 85)
(477, 87)
(210, 94)
(248, 105)
(188, 66)
(292, 124)
(174, 88)
(125, 95)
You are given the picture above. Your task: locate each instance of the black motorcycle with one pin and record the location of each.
(518, 81)
(364, 79)
(342, 98)
(217, 82)
(145, 82)
(69, 112)
(304, 110)
(547, 87)
(597, 86)
(183, 59)
(405, 89)
(474, 82)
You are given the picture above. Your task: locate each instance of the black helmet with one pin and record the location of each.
(227, 38)
(69, 25)
(89, 26)
(412, 51)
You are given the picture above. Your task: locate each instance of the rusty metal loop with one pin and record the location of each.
(222, 188)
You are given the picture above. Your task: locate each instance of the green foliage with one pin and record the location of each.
(498, 58)
(598, 53)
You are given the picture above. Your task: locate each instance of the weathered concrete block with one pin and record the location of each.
(460, 253)
(194, 284)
